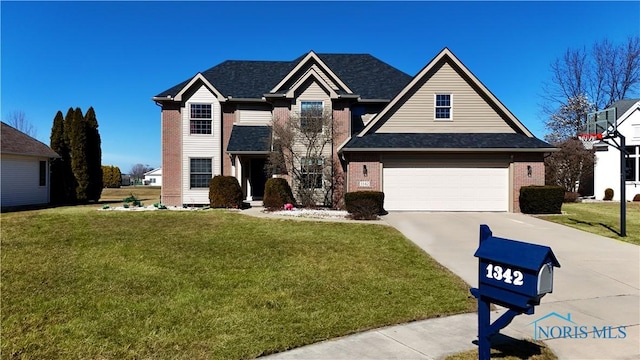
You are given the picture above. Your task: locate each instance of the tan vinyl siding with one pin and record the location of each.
(251, 115)
(200, 145)
(470, 112)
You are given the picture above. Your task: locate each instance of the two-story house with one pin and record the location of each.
(437, 141)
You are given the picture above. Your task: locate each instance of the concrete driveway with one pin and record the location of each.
(598, 283)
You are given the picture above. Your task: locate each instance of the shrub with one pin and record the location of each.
(277, 192)
(132, 199)
(571, 197)
(636, 197)
(364, 205)
(225, 192)
(541, 199)
(608, 194)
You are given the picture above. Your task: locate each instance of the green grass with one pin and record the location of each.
(602, 218)
(82, 283)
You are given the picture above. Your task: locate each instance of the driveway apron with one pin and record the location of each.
(594, 310)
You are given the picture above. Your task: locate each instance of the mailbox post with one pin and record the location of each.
(512, 274)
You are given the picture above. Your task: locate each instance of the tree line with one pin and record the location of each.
(76, 177)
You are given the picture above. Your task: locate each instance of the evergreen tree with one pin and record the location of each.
(93, 156)
(69, 179)
(79, 162)
(57, 189)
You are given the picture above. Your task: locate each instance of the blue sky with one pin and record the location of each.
(115, 56)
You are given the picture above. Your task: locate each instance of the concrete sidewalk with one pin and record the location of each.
(598, 287)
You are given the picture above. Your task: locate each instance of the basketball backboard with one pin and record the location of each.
(601, 121)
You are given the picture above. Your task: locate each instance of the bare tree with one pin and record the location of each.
(571, 167)
(606, 73)
(137, 171)
(19, 121)
(302, 151)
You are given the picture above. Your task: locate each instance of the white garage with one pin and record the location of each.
(424, 186)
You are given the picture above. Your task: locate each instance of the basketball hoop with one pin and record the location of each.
(589, 139)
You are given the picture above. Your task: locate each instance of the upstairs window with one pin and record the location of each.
(200, 115)
(200, 173)
(311, 116)
(311, 172)
(443, 107)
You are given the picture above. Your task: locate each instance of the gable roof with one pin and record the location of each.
(622, 106)
(446, 56)
(15, 142)
(363, 74)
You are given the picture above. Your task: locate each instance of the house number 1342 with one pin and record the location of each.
(507, 275)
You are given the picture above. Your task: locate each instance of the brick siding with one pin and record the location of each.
(356, 179)
(521, 177)
(171, 192)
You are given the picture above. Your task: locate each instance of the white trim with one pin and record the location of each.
(435, 107)
(206, 82)
(311, 55)
(319, 80)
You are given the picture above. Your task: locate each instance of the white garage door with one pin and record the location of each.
(446, 188)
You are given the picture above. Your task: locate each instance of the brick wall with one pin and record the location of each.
(171, 155)
(523, 177)
(356, 179)
(228, 119)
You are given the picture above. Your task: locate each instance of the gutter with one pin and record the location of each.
(457, 150)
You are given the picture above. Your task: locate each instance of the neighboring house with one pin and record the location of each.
(153, 177)
(24, 168)
(439, 141)
(607, 168)
(126, 180)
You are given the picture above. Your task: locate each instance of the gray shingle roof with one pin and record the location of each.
(623, 105)
(249, 139)
(16, 142)
(444, 141)
(364, 74)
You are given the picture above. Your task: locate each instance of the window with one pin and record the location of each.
(443, 107)
(311, 116)
(632, 163)
(200, 116)
(311, 172)
(43, 173)
(200, 173)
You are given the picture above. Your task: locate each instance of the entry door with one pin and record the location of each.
(258, 177)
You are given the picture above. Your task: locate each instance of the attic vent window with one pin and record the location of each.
(443, 107)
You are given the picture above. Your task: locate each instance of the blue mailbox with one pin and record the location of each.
(512, 274)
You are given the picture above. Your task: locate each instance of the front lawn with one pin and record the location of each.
(81, 283)
(602, 218)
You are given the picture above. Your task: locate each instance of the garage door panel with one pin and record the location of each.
(445, 188)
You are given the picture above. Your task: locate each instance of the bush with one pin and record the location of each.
(541, 199)
(636, 197)
(608, 194)
(131, 199)
(364, 205)
(277, 192)
(225, 192)
(571, 197)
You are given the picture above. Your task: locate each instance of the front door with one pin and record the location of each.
(258, 178)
